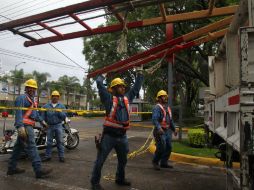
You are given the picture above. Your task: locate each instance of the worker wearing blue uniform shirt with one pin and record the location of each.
(24, 122)
(163, 127)
(55, 121)
(116, 123)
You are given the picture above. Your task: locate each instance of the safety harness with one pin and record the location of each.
(26, 118)
(110, 120)
(163, 123)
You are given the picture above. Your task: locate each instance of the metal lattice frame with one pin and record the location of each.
(79, 14)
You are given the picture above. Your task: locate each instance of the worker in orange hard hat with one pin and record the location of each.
(24, 122)
(163, 128)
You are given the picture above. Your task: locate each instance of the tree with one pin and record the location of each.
(88, 90)
(190, 68)
(41, 79)
(68, 84)
(17, 78)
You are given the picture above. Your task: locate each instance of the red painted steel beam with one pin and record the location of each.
(169, 36)
(136, 24)
(117, 15)
(101, 30)
(184, 38)
(44, 25)
(75, 17)
(177, 48)
(87, 5)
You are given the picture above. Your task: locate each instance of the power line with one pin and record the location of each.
(11, 37)
(12, 8)
(57, 49)
(63, 53)
(18, 15)
(11, 4)
(30, 59)
(14, 15)
(24, 12)
(23, 79)
(33, 57)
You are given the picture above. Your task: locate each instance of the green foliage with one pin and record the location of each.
(41, 79)
(17, 78)
(190, 70)
(196, 137)
(69, 84)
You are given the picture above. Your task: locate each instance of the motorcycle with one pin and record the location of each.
(70, 136)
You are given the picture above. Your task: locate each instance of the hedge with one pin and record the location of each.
(196, 137)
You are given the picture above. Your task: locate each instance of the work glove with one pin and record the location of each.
(97, 140)
(44, 124)
(160, 131)
(67, 120)
(22, 134)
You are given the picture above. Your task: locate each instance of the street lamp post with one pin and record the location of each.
(15, 79)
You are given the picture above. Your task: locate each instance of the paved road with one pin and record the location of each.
(76, 172)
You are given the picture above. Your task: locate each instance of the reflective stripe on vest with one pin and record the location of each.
(110, 120)
(26, 116)
(163, 123)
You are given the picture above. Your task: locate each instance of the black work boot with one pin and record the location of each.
(61, 159)
(45, 159)
(123, 182)
(166, 166)
(156, 166)
(97, 187)
(15, 171)
(43, 173)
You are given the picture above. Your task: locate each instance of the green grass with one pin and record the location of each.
(192, 122)
(184, 148)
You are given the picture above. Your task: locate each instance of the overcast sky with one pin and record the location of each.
(15, 9)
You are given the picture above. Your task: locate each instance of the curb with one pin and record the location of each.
(177, 157)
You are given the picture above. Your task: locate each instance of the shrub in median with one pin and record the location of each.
(196, 137)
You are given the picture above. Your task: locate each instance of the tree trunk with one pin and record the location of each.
(67, 99)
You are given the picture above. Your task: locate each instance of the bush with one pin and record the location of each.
(196, 137)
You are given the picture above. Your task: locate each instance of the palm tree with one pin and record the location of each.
(88, 90)
(41, 79)
(69, 84)
(17, 78)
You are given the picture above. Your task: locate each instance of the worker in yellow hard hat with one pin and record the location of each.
(24, 122)
(163, 128)
(117, 122)
(116, 82)
(54, 120)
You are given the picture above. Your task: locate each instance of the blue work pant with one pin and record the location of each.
(163, 147)
(30, 148)
(57, 132)
(120, 144)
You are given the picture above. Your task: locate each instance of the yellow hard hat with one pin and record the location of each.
(55, 93)
(31, 83)
(161, 93)
(117, 81)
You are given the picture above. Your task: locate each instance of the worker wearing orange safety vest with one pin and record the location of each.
(116, 123)
(163, 127)
(24, 122)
